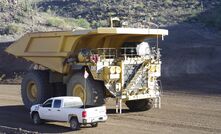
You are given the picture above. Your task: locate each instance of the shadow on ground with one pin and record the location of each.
(113, 111)
(17, 120)
(18, 117)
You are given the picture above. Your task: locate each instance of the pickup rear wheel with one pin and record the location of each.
(35, 88)
(94, 124)
(140, 105)
(93, 94)
(36, 119)
(74, 124)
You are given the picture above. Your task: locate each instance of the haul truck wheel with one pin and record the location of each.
(140, 105)
(35, 88)
(92, 95)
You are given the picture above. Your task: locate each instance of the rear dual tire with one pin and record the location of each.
(35, 88)
(140, 105)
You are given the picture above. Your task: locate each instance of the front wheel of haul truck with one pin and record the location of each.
(89, 90)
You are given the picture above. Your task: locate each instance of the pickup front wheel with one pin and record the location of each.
(36, 119)
(74, 124)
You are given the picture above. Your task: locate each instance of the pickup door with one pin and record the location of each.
(61, 110)
(45, 110)
(51, 110)
(57, 112)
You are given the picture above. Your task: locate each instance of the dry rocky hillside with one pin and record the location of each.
(20, 16)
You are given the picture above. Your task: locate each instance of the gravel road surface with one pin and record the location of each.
(180, 113)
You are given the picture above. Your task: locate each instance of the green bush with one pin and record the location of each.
(82, 23)
(3, 5)
(77, 23)
(67, 23)
(55, 21)
(12, 29)
(168, 1)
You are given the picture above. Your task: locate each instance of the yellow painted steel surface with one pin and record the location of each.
(50, 49)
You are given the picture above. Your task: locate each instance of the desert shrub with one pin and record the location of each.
(101, 23)
(3, 5)
(67, 23)
(82, 23)
(55, 21)
(12, 28)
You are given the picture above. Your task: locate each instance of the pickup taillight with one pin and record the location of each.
(84, 114)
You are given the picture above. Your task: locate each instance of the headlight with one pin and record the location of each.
(112, 70)
(157, 68)
(118, 69)
(151, 79)
(153, 68)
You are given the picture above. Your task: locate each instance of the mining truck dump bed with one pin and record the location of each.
(50, 49)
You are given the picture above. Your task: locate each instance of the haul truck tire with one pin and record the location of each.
(140, 105)
(35, 88)
(92, 95)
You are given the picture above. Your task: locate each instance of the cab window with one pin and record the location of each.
(48, 103)
(57, 104)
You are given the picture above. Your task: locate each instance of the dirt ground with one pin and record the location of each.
(181, 112)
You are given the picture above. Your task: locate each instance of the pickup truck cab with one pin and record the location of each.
(68, 109)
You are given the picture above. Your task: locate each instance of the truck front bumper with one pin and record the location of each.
(152, 94)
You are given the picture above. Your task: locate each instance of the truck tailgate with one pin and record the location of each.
(96, 114)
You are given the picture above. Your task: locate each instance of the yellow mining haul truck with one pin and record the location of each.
(119, 61)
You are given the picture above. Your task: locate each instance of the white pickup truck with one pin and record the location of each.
(68, 109)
